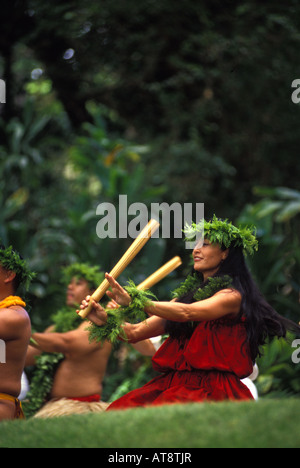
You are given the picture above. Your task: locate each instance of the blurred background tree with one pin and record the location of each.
(160, 101)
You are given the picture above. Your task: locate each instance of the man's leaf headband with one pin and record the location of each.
(12, 261)
(91, 274)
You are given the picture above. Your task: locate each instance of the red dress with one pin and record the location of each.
(206, 366)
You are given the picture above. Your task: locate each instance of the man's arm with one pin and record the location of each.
(31, 355)
(34, 352)
(51, 342)
(76, 341)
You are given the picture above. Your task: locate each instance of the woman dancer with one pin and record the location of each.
(216, 324)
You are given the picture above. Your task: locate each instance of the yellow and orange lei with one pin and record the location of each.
(12, 301)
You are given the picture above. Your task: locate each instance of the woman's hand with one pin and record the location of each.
(97, 315)
(112, 305)
(118, 294)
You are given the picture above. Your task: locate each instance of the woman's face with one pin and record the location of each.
(208, 258)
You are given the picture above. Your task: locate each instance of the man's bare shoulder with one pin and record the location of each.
(15, 317)
(14, 313)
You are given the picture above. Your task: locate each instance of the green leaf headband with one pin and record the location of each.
(223, 232)
(92, 275)
(12, 261)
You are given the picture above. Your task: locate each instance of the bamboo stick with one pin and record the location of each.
(161, 273)
(127, 258)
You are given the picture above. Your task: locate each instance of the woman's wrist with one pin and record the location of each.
(113, 330)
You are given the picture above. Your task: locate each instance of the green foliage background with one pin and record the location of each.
(161, 101)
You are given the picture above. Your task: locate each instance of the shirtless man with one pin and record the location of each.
(15, 330)
(79, 376)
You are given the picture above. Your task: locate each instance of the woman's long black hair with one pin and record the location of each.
(262, 321)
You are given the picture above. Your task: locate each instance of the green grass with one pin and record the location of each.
(266, 423)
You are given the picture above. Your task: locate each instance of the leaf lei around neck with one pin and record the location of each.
(66, 320)
(214, 284)
(46, 364)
